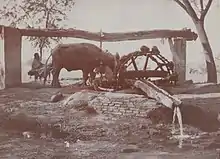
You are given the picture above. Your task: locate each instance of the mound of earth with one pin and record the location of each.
(92, 135)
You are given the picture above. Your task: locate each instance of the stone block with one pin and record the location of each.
(122, 110)
(126, 101)
(128, 111)
(104, 109)
(124, 106)
(136, 112)
(111, 104)
(133, 109)
(117, 105)
(117, 113)
(143, 113)
(120, 103)
(131, 105)
(110, 109)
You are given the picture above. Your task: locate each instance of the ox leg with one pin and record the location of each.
(45, 78)
(55, 81)
(85, 77)
(92, 74)
(49, 75)
(92, 77)
(35, 78)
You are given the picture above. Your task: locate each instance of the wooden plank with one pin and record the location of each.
(141, 74)
(157, 93)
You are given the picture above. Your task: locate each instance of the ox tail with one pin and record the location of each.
(46, 64)
(45, 68)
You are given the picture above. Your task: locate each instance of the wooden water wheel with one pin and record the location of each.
(151, 65)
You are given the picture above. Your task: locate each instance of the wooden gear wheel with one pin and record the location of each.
(152, 65)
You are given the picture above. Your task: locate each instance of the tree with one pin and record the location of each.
(217, 58)
(197, 10)
(37, 14)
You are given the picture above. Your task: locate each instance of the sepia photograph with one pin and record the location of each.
(119, 79)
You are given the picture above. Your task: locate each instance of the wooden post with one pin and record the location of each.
(2, 76)
(101, 35)
(2, 72)
(178, 49)
(12, 57)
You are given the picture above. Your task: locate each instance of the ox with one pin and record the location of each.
(78, 56)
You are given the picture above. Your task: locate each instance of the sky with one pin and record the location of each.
(131, 15)
(128, 15)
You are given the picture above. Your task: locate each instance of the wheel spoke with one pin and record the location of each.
(133, 61)
(146, 62)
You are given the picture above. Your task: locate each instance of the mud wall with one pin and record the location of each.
(123, 104)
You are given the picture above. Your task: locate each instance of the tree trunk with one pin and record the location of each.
(210, 63)
(41, 52)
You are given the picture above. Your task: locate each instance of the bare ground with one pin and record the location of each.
(94, 135)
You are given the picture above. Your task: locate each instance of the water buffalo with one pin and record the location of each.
(78, 56)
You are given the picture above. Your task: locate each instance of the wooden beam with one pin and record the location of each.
(111, 37)
(143, 74)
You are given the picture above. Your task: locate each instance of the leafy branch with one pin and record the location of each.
(37, 14)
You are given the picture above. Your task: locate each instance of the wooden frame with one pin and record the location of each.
(13, 38)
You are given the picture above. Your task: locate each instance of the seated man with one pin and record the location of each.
(106, 75)
(36, 64)
(105, 71)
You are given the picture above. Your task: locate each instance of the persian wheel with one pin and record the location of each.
(145, 64)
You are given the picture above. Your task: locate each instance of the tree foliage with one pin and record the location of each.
(37, 14)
